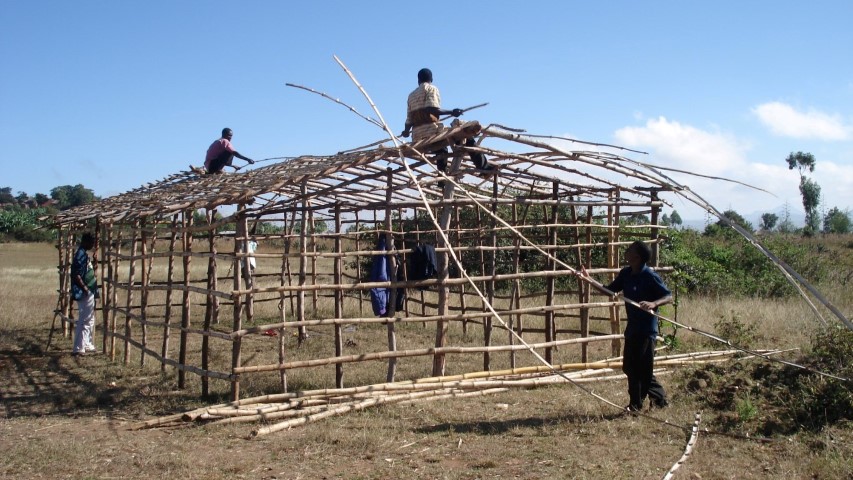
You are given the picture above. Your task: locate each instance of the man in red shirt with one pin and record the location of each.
(221, 153)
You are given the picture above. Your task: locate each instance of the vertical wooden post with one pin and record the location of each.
(107, 281)
(392, 276)
(288, 231)
(490, 290)
(67, 257)
(655, 260)
(143, 296)
(615, 321)
(236, 346)
(282, 304)
(462, 303)
(186, 311)
(129, 304)
(303, 262)
(313, 238)
(339, 297)
(515, 298)
(550, 285)
(170, 276)
(358, 276)
(439, 359)
(585, 286)
(211, 307)
(114, 293)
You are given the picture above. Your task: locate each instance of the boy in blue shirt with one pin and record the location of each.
(641, 284)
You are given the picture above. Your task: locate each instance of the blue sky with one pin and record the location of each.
(114, 94)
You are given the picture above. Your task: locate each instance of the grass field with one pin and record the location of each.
(65, 417)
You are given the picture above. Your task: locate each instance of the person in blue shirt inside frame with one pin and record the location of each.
(644, 286)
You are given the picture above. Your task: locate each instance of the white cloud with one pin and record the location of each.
(785, 121)
(717, 153)
(684, 147)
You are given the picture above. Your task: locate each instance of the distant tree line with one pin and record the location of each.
(19, 214)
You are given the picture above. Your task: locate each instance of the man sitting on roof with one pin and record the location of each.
(423, 110)
(222, 153)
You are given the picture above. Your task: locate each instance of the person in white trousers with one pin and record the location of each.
(84, 289)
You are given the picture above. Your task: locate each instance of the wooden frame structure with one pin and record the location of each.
(178, 288)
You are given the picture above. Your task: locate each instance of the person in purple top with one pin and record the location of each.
(222, 153)
(643, 285)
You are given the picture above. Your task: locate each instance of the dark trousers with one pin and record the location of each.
(218, 163)
(638, 361)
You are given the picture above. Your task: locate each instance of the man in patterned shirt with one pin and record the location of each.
(423, 111)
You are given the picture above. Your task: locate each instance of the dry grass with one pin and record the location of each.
(67, 417)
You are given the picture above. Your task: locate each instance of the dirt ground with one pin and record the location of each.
(69, 417)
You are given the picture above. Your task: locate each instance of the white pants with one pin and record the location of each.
(85, 327)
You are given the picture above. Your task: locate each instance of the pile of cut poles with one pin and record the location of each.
(285, 410)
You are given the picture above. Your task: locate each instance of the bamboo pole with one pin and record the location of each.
(411, 353)
(431, 318)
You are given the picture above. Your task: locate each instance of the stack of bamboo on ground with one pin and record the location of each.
(285, 410)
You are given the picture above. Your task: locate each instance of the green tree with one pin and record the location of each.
(41, 199)
(6, 195)
(675, 219)
(768, 221)
(68, 196)
(809, 189)
(722, 226)
(836, 221)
